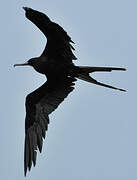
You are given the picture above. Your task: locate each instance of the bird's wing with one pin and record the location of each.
(58, 41)
(39, 104)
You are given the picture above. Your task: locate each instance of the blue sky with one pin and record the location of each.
(93, 133)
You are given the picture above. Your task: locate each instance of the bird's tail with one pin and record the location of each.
(85, 70)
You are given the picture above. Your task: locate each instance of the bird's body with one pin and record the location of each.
(47, 66)
(56, 64)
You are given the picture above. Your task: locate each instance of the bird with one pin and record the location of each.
(56, 63)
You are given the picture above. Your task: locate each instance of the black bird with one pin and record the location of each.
(56, 63)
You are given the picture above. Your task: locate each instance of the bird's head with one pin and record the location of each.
(31, 62)
(37, 63)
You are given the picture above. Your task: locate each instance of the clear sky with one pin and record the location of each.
(93, 133)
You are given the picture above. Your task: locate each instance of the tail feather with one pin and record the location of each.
(89, 69)
(84, 75)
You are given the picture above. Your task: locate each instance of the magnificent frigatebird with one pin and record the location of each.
(56, 63)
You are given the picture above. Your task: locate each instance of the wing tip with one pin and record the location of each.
(26, 8)
(25, 172)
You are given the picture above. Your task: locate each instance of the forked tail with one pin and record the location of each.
(85, 70)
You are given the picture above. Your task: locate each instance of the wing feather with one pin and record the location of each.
(39, 104)
(58, 41)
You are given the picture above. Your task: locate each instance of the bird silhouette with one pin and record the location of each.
(56, 64)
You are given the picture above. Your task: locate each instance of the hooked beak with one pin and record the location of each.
(23, 64)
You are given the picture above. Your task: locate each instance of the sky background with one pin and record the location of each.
(93, 133)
